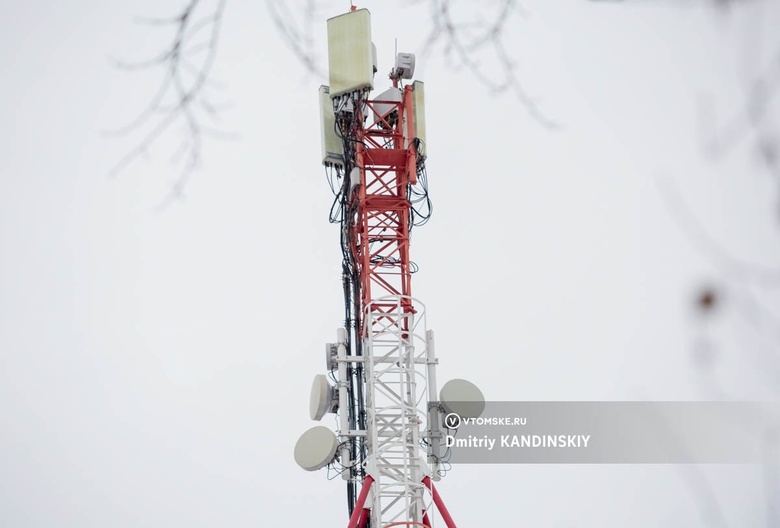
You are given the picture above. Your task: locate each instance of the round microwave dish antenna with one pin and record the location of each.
(322, 399)
(404, 65)
(463, 398)
(316, 448)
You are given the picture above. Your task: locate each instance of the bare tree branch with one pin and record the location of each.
(299, 40)
(187, 63)
(736, 268)
(465, 41)
(754, 120)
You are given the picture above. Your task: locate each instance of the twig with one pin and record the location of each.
(465, 41)
(185, 83)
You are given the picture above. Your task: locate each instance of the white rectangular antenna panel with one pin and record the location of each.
(418, 103)
(332, 147)
(350, 54)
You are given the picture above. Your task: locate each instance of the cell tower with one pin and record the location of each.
(382, 367)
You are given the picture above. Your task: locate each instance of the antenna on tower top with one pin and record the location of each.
(352, 6)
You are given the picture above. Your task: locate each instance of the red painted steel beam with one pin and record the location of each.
(353, 520)
(445, 514)
(364, 517)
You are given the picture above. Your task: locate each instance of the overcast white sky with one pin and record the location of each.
(155, 367)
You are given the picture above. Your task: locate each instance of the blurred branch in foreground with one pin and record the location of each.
(182, 96)
(472, 36)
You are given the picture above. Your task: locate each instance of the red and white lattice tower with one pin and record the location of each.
(383, 363)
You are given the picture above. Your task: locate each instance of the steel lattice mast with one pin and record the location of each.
(383, 363)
